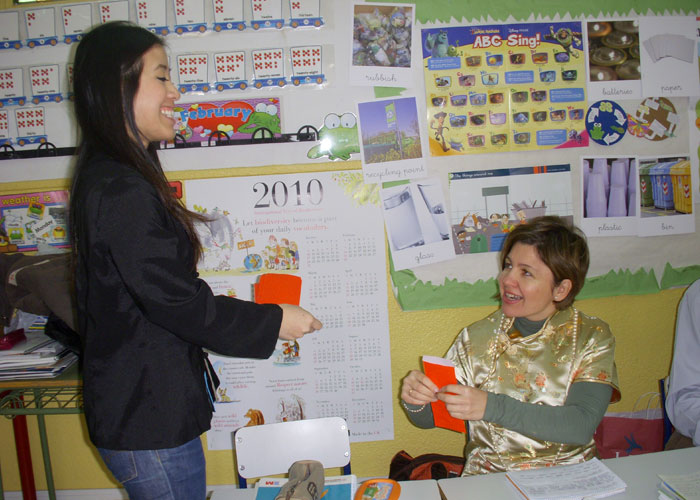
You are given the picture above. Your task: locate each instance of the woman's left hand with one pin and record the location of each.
(463, 402)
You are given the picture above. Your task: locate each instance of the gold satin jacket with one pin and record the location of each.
(538, 369)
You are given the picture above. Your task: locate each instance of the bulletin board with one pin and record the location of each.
(623, 262)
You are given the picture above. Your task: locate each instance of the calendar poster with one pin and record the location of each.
(327, 228)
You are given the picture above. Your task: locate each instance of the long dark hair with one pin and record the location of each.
(106, 74)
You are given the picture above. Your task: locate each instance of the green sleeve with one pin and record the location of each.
(420, 415)
(572, 423)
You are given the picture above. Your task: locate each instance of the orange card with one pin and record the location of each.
(442, 372)
(278, 289)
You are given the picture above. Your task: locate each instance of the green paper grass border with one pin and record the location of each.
(413, 294)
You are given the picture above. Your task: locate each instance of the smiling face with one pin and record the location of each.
(527, 285)
(155, 98)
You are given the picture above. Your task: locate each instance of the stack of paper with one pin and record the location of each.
(591, 479)
(37, 356)
(679, 486)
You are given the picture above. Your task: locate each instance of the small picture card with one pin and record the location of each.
(151, 14)
(417, 224)
(230, 69)
(305, 13)
(385, 61)
(45, 83)
(228, 15)
(669, 56)
(77, 19)
(193, 72)
(391, 145)
(41, 26)
(30, 122)
(268, 67)
(610, 190)
(11, 85)
(9, 30)
(4, 127)
(189, 16)
(307, 64)
(114, 11)
(668, 209)
(614, 70)
(267, 14)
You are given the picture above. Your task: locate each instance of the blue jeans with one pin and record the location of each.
(169, 474)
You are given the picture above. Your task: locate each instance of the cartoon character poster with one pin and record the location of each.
(234, 119)
(496, 88)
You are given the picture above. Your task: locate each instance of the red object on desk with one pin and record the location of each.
(442, 372)
(9, 340)
(278, 289)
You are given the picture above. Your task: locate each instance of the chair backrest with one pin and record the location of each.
(263, 450)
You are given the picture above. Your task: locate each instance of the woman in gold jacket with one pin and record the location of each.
(536, 376)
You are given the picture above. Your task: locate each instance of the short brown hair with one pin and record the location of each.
(561, 246)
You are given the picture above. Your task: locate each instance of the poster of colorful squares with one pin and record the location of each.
(495, 88)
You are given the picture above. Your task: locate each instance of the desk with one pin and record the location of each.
(410, 490)
(638, 471)
(51, 396)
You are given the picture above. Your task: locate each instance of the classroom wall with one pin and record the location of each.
(643, 326)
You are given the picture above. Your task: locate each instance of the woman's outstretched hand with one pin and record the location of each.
(297, 322)
(418, 389)
(464, 402)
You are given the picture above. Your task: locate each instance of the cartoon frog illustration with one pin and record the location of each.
(264, 116)
(338, 138)
(597, 132)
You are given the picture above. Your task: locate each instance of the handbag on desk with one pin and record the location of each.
(631, 433)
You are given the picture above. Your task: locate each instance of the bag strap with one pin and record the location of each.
(651, 397)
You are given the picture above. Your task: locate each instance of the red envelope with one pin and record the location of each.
(442, 372)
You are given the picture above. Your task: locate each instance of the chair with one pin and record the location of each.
(263, 450)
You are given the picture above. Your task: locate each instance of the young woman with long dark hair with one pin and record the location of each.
(144, 316)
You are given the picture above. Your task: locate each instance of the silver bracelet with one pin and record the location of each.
(417, 410)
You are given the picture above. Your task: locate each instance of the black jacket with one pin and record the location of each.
(144, 316)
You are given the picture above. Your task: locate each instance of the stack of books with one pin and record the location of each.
(679, 486)
(31, 354)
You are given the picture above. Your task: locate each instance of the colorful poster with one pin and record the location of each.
(28, 220)
(326, 228)
(498, 88)
(487, 204)
(235, 119)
